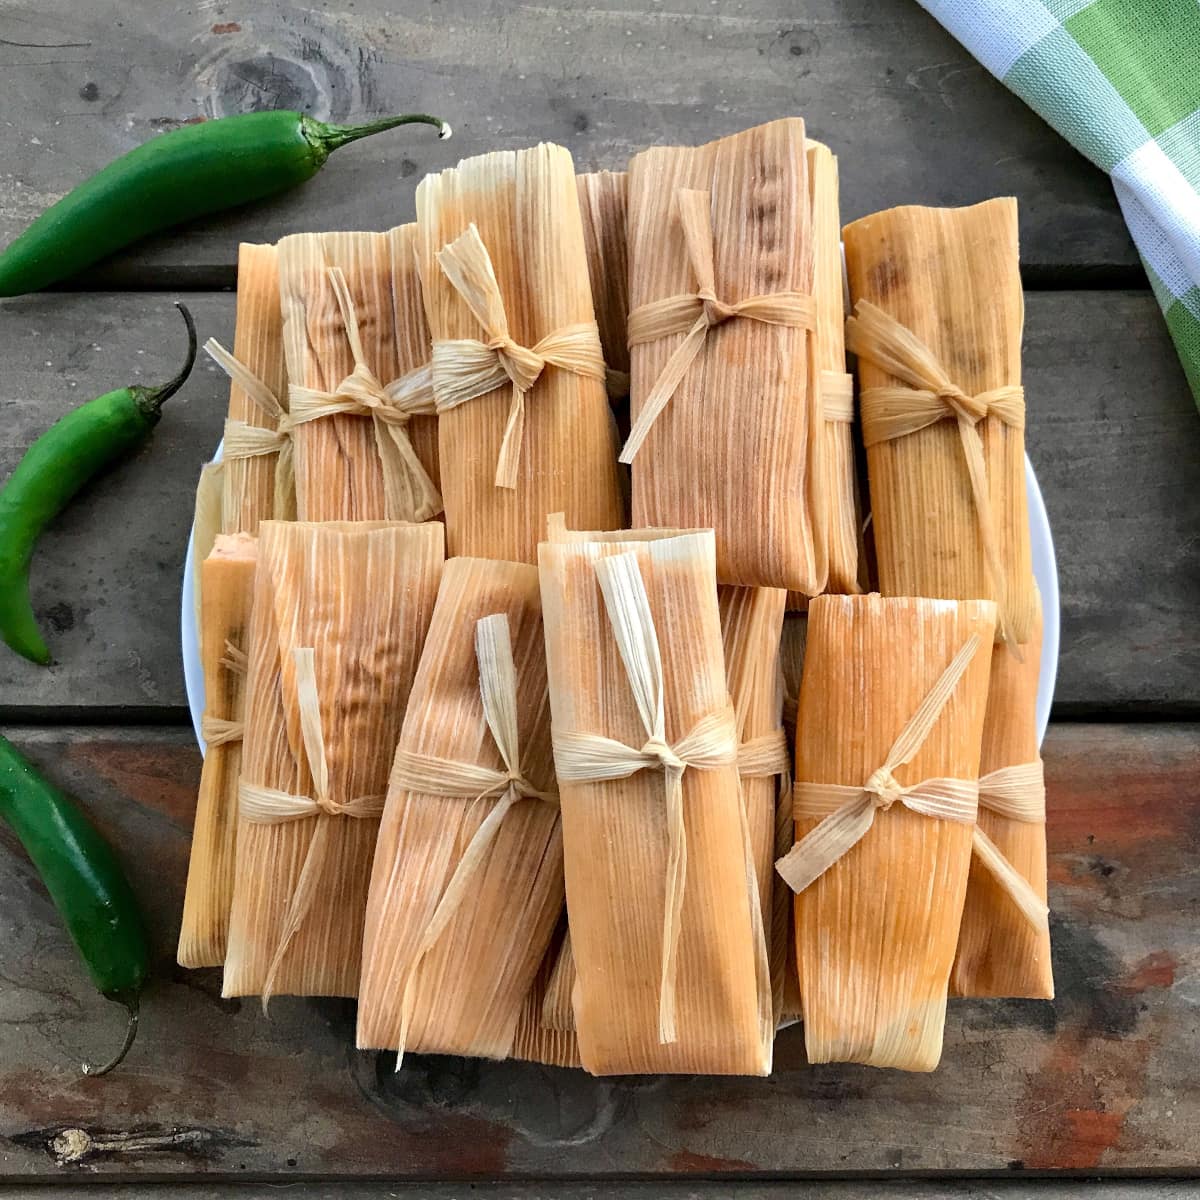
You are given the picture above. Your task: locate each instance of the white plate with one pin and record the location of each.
(1044, 568)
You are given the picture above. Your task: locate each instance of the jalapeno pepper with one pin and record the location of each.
(188, 173)
(53, 469)
(86, 883)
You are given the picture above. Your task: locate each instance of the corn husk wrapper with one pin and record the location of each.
(735, 448)
(228, 575)
(603, 205)
(351, 602)
(253, 487)
(464, 990)
(874, 950)
(524, 210)
(617, 833)
(233, 497)
(950, 276)
(535, 1040)
(841, 500)
(339, 458)
(999, 952)
(751, 627)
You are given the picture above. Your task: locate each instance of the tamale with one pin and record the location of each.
(228, 575)
(206, 525)
(467, 886)
(841, 500)
(518, 371)
(603, 205)
(726, 413)
(1001, 952)
(414, 345)
(254, 486)
(887, 763)
(252, 482)
(339, 619)
(937, 331)
(751, 627)
(535, 1041)
(659, 871)
(362, 424)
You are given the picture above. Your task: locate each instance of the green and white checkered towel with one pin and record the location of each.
(1120, 80)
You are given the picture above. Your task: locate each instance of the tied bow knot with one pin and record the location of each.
(467, 368)
(696, 313)
(846, 813)
(470, 781)
(409, 493)
(883, 786)
(924, 396)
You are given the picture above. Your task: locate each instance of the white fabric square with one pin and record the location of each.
(997, 32)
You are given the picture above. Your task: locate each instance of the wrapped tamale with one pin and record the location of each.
(340, 614)
(228, 580)
(887, 770)
(841, 501)
(791, 662)
(537, 1039)
(751, 626)
(252, 482)
(467, 886)
(524, 426)
(361, 415)
(666, 925)
(726, 410)
(1004, 940)
(603, 202)
(938, 311)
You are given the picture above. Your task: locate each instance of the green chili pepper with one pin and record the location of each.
(53, 469)
(86, 883)
(187, 173)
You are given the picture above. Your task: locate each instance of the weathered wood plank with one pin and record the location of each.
(1112, 433)
(1042, 1189)
(1102, 1079)
(893, 93)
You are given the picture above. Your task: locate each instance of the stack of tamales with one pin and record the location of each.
(252, 483)
(537, 801)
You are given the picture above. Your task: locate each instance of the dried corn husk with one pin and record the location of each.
(874, 950)
(535, 1041)
(228, 575)
(603, 205)
(659, 871)
(948, 276)
(467, 884)
(362, 423)
(1000, 951)
(257, 481)
(253, 481)
(751, 627)
(841, 500)
(791, 661)
(518, 371)
(721, 235)
(339, 619)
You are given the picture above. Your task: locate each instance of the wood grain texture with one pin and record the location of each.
(890, 91)
(908, 1189)
(1112, 433)
(1102, 1079)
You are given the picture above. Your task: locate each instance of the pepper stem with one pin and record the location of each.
(131, 1007)
(330, 137)
(151, 400)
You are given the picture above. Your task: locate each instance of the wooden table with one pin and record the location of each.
(1104, 1080)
